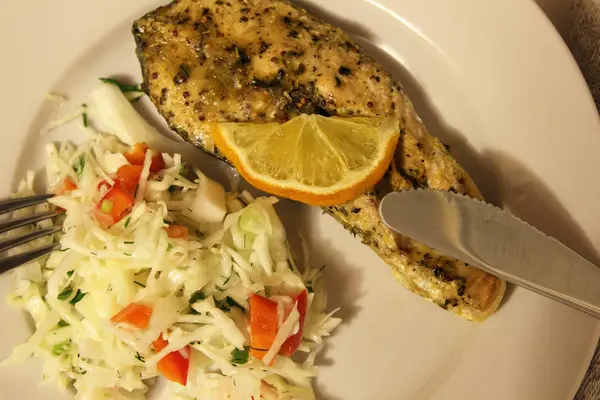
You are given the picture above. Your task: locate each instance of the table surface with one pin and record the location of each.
(559, 12)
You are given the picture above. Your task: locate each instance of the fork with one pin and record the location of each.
(6, 206)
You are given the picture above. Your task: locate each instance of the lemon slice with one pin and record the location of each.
(312, 159)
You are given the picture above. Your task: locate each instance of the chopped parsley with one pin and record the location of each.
(139, 357)
(62, 324)
(227, 303)
(124, 88)
(181, 168)
(84, 115)
(139, 284)
(128, 242)
(61, 348)
(78, 297)
(239, 357)
(79, 166)
(65, 294)
(196, 297)
(169, 247)
(70, 274)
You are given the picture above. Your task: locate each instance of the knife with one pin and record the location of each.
(495, 241)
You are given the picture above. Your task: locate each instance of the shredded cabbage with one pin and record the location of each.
(198, 288)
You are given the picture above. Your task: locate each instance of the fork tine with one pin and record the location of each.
(17, 241)
(6, 264)
(22, 202)
(17, 223)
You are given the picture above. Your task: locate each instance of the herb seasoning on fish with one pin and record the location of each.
(267, 79)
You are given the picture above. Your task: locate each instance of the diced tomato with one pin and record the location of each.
(177, 232)
(174, 366)
(129, 176)
(103, 186)
(67, 186)
(120, 202)
(134, 314)
(105, 220)
(137, 154)
(263, 325)
(292, 343)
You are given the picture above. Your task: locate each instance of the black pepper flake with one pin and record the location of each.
(438, 272)
(378, 79)
(186, 95)
(345, 71)
(243, 57)
(301, 69)
(245, 10)
(183, 74)
(163, 96)
(244, 19)
(315, 38)
(338, 81)
(294, 34)
(356, 210)
(370, 104)
(219, 2)
(202, 118)
(287, 20)
(263, 47)
(393, 105)
(154, 75)
(461, 289)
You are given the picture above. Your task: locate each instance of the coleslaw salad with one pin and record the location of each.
(161, 272)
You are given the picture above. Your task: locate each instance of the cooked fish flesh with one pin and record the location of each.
(262, 61)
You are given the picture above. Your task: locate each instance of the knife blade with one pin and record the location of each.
(495, 241)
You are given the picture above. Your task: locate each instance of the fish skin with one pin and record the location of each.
(262, 61)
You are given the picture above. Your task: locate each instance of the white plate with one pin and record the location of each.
(492, 79)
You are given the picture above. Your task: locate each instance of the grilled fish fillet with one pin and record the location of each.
(269, 60)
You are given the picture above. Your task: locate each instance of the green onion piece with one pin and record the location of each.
(181, 168)
(70, 274)
(62, 324)
(78, 168)
(239, 357)
(78, 297)
(169, 247)
(65, 294)
(127, 221)
(139, 357)
(107, 206)
(172, 188)
(139, 284)
(61, 348)
(124, 88)
(84, 115)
